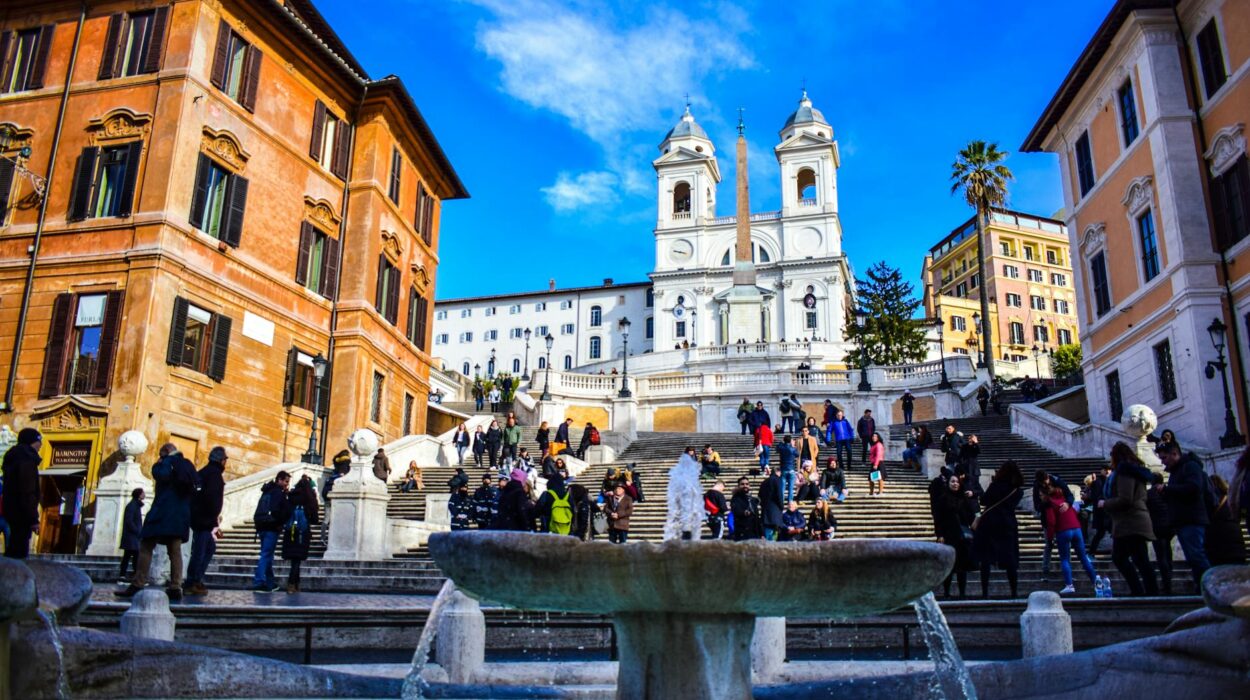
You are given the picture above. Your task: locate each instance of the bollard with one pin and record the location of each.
(460, 642)
(768, 647)
(148, 616)
(1045, 628)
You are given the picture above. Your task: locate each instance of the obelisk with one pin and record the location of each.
(746, 304)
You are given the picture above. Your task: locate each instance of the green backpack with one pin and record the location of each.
(561, 514)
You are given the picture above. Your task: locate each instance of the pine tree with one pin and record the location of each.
(890, 333)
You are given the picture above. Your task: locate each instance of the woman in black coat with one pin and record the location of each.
(996, 540)
(297, 533)
(516, 513)
(772, 505)
(953, 512)
(745, 509)
(494, 438)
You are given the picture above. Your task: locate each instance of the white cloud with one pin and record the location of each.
(582, 190)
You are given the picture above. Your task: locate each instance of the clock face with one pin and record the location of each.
(679, 312)
(681, 251)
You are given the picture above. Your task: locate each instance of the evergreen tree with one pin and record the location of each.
(1066, 361)
(890, 333)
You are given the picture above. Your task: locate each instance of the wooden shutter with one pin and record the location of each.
(323, 401)
(423, 308)
(288, 390)
(236, 205)
(151, 62)
(108, 60)
(1219, 213)
(251, 79)
(40, 66)
(330, 265)
(307, 235)
(103, 378)
(6, 69)
(221, 56)
(427, 232)
(84, 180)
(418, 216)
(7, 168)
(410, 331)
(220, 348)
(379, 302)
(125, 202)
(318, 130)
(342, 148)
(58, 339)
(177, 332)
(397, 164)
(392, 303)
(199, 198)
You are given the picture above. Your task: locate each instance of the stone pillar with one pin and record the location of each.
(933, 462)
(149, 617)
(1045, 628)
(768, 648)
(359, 530)
(625, 414)
(436, 512)
(113, 493)
(460, 643)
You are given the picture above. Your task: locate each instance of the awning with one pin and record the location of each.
(62, 471)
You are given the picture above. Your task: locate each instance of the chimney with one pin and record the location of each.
(551, 284)
(607, 281)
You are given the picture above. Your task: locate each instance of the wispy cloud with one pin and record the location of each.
(592, 188)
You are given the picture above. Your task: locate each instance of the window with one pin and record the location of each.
(1230, 201)
(375, 398)
(490, 311)
(1102, 290)
(1005, 247)
(1052, 257)
(423, 219)
(465, 313)
(974, 281)
(650, 297)
(649, 328)
(24, 58)
(1115, 402)
(134, 43)
(1059, 280)
(542, 362)
(566, 305)
(516, 366)
(466, 337)
(958, 324)
(1011, 271)
(104, 181)
(1035, 275)
(1064, 336)
(514, 309)
(440, 315)
(1014, 300)
(809, 320)
(331, 140)
(464, 368)
(82, 341)
(568, 362)
(1128, 112)
(418, 315)
(490, 335)
(1061, 306)
(1017, 333)
(407, 427)
(1163, 371)
(596, 347)
(219, 202)
(199, 339)
(397, 171)
(1029, 253)
(596, 316)
(236, 67)
(679, 329)
(566, 329)
(1084, 164)
(540, 306)
(1037, 303)
(317, 267)
(301, 382)
(1041, 334)
(516, 333)
(1211, 59)
(442, 339)
(681, 198)
(1149, 246)
(386, 300)
(541, 331)
(961, 289)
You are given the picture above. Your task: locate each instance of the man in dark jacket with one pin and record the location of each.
(759, 417)
(272, 511)
(515, 512)
(745, 509)
(909, 407)
(1162, 526)
(772, 503)
(1187, 493)
(952, 445)
(866, 426)
(460, 507)
(485, 503)
(168, 522)
(132, 523)
(21, 491)
(210, 488)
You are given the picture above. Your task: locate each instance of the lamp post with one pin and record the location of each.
(477, 371)
(976, 322)
(946, 382)
(1037, 366)
(861, 318)
(694, 327)
(525, 376)
(623, 325)
(546, 396)
(312, 456)
(1231, 436)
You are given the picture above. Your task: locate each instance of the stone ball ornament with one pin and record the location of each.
(132, 443)
(363, 442)
(1139, 420)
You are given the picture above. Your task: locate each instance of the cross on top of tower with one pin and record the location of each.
(741, 125)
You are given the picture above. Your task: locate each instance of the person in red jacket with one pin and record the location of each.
(763, 444)
(1063, 525)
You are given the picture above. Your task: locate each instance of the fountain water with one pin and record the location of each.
(414, 685)
(54, 636)
(951, 679)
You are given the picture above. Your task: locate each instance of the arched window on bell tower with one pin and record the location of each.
(681, 198)
(806, 184)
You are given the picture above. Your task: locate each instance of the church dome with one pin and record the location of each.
(805, 114)
(687, 127)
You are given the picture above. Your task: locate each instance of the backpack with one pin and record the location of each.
(561, 514)
(297, 526)
(594, 436)
(710, 507)
(264, 516)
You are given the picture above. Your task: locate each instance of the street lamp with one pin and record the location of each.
(946, 382)
(319, 363)
(861, 318)
(1231, 437)
(477, 371)
(525, 376)
(1037, 353)
(694, 327)
(976, 322)
(623, 326)
(546, 396)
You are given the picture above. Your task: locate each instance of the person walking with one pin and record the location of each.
(952, 445)
(297, 531)
(983, 400)
(909, 406)
(206, 507)
(460, 440)
(954, 509)
(866, 426)
(1187, 493)
(479, 446)
(763, 444)
(479, 395)
(1063, 525)
(588, 439)
(842, 435)
(876, 467)
(771, 503)
(744, 416)
(132, 523)
(562, 437)
(787, 456)
(820, 522)
(1124, 500)
(717, 509)
(1161, 525)
(1043, 483)
(494, 396)
(744, 508)
(760, 417)
(543, 437)
(272, 512)
(20, 499)
(996, 533)
(494, 438)
(511, 440)
(619, 507)
(783, 408)
(382, 466)
(168, 522)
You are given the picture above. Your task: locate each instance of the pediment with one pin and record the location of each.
(69, 413)
(803, 139)
(683, 154)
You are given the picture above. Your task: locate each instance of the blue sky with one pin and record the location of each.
(551, 113)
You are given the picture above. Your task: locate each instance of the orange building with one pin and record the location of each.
(1149, 129)
(198, 198)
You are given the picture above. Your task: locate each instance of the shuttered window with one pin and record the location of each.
(418, 318)
(301, 381)
(317, 266)
(199, 339)
(1128, 112)
(1211, 59)
(24, 58)
(1115, 402)
(1084, 164)
(134, 43)
(236, 67)
(424, 218)
(330, 141)
(104, 181)
(387, 297)
(1164, 371)
(397, 168)
(219, 202)
(408, 401)
(1230, 200)
(1102, 288)
(7, 170)
(82, 344)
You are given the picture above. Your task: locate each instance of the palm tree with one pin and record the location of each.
(979, 172)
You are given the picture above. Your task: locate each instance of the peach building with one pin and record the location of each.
(197, 199)
(1149, 128)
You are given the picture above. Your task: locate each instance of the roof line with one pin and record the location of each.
(544, 292)
(413, 113)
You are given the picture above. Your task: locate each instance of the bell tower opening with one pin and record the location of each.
(806, 186)
(681, 198)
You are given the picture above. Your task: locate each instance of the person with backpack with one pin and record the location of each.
(460, 505)
(716, 507)
(784, 409)
(589, 434)
(744, 416)
(205, 519)
(458, 481)
(132, 523)
(555, 508)
(168, 522)
(485, 502)
(297, 532)
(1189, 498)
(272, 512)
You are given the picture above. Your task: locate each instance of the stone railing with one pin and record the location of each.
(663, 361)
(241, 495)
